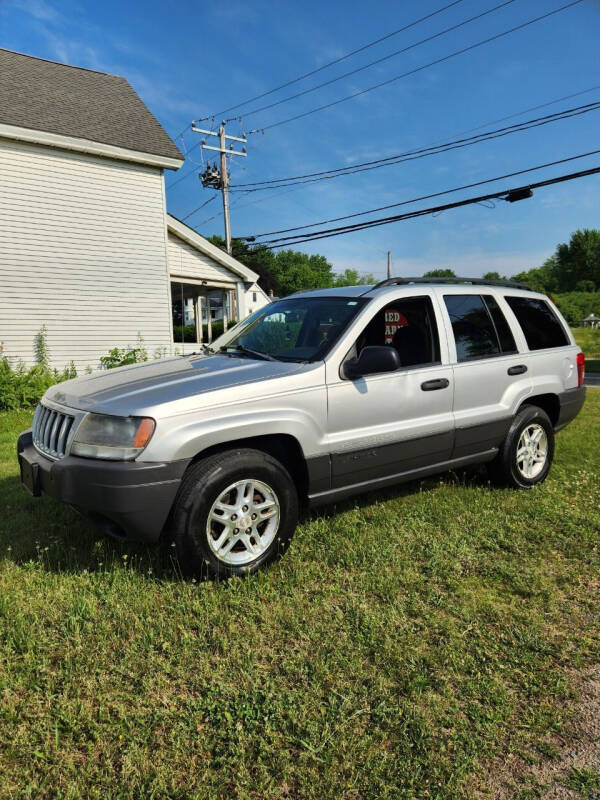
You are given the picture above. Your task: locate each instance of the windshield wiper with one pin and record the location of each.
(247, 351)
(205, 351)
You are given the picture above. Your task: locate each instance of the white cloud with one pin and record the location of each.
(39, 9)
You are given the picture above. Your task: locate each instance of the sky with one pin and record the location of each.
(190, 60)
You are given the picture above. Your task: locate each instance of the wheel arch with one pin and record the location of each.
(549, 403)
(283, 447)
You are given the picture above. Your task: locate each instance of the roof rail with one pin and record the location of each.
(472, 281)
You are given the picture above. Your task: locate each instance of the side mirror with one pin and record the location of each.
(372, 360)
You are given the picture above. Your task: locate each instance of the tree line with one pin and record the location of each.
(289, 271)
(571, 276)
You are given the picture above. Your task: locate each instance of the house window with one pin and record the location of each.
(254, 297)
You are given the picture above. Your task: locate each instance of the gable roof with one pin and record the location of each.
(196, 240)
(78, 103)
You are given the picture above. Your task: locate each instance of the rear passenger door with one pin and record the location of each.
(491, 373)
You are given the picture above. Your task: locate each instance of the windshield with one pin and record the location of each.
(296, 329)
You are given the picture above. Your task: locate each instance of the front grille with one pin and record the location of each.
(51, 430)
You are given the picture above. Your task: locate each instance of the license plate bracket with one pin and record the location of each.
(30, 476)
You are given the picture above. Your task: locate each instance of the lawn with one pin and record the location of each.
(589, 341)
(404, 648)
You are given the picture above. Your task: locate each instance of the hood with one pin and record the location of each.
(140, 388)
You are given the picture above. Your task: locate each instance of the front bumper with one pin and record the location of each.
(570, 404)
(135, 496)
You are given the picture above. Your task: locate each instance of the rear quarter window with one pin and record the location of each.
(540, 325)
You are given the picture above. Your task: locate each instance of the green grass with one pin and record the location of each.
(589, 341)
(404, 643)
(586, 782)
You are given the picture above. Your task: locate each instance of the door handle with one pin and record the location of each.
(431, 386)
(517, 370)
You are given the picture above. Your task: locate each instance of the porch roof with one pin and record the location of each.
(196, 240)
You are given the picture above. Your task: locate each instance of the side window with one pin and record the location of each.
(505, 337)
(408, 325)
(541, 327)
(472, 325)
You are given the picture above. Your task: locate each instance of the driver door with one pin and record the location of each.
(398, 422)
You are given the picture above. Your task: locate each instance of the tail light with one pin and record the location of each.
(580, 368)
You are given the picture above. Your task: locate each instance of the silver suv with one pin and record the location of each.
(312, 399)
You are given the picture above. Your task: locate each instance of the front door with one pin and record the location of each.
(393, 423)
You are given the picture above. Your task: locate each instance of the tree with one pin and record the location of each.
(574, 306)
(494, 276)
(257, 258)
(352, 277)
(579, 260)
(575, 266)
(295, 271)
(440, 273)
(290, 271)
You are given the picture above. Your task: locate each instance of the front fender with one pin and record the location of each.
(184, 438)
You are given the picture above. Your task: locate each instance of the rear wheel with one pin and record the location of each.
(236, 512)
(526, 456)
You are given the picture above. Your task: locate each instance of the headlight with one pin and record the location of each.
(117, 438)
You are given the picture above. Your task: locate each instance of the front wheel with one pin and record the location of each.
(236, 512)
(526, 455)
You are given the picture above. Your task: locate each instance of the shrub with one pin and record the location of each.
(21, 387)
(189, 332)
(123, 357)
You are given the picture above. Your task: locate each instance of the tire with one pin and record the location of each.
(519, 464)
(241, 486)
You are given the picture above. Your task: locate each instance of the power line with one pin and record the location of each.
(459, 133)
(420, 68)
(423, 152)
(337, 60)
(191, 214)
(504, 194)
(527, 110)
(187, 174)
(424, 197)
(379, 60)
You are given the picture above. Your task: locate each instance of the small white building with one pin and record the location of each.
(87, 248)
(591, 321)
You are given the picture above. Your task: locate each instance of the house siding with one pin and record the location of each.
(82, 251)
(186, 261)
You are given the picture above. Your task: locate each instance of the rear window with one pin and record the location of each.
(541, 327)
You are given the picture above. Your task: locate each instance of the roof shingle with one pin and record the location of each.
(72, 101)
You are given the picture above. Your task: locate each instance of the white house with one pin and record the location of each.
(87, 248)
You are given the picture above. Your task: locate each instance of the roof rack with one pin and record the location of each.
(472, 281)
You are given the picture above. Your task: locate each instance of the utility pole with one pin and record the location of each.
(389, 263)
(225, 187)
(218, 178)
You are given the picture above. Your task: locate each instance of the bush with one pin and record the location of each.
(21, 387)
(574, 306)
(123, 357)
(184, 333)
(189, 332)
